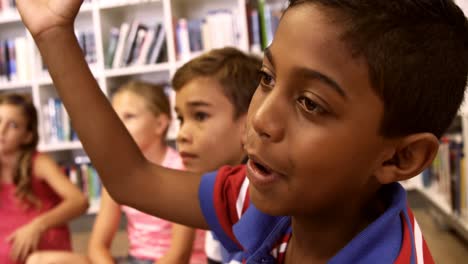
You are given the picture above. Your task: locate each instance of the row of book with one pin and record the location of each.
(262, 21)
(56, 123)
(87, 42)
(135, 44)
(14, 60)
(447, 173)
(85, 177)
(216, 30)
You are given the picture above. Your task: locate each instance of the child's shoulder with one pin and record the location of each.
(42, 164)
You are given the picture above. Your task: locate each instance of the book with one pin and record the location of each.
(159, 42)
(117, 62)
(146, 46)
(137, 43)
(130, 42)
(112, 46)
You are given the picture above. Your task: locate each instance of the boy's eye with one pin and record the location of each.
(200, 116)
(266, 80)
(310, 106)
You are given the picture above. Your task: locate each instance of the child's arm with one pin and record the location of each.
(73, 204)
(129, 178)
(105, 226)
(181, 245)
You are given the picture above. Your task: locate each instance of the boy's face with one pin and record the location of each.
(209, 137)
(313, 122)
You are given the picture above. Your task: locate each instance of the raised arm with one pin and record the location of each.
(128, 177)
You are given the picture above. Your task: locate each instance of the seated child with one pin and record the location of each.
(353, 97)
(213, 92)
(145, 110)
(36, 198)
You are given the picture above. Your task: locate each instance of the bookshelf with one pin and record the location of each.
(99, 22)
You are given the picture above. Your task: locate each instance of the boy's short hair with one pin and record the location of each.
(417, 54)
(237, 73)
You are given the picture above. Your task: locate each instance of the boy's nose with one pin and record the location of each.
(183, 136)
(268, 119)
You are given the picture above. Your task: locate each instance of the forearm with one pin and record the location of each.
(61, 214)
(181, 243)
(100, 254)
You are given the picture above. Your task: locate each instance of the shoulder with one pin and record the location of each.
(227, 181)
(42, 165)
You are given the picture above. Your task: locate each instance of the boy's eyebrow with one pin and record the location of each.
(197, 103)
(310, 74)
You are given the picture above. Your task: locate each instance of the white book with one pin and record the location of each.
(145, 47)
(158, 44)
(183, 42)
(120, 45)
(22, 59)
(206, 36)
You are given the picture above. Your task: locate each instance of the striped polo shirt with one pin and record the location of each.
(254, 237)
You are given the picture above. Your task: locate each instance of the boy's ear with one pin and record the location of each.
(162, 125)
(412, 154)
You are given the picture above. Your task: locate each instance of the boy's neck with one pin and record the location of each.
(316, 239)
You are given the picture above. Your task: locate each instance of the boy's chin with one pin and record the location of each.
(266, 205)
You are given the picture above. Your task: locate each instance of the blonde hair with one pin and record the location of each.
(156, 99)
(23, 174)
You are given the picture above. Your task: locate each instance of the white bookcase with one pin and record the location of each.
(99, 16)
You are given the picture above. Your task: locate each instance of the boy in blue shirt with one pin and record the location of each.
(353, 98)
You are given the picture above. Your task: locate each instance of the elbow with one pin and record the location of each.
(83, 204)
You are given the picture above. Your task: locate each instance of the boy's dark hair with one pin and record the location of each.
(417, 53)
(237, 73)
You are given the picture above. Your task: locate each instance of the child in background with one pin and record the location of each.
(213, 92)
(331, 129)
(145, 111)
(36, 198)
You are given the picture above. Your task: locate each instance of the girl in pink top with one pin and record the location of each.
(145, 111)
(36, 198)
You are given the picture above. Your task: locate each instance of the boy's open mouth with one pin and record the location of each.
(260, 175)
(261, 168)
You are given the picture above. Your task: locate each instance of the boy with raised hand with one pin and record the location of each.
(213, 92)
(332, 128)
